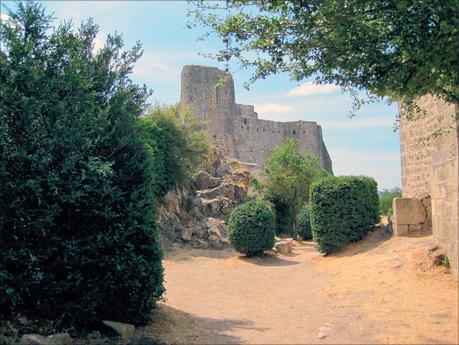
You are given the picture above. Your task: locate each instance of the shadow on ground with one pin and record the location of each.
(178, 253)
(174, 326)
(371, 241)
(269, 260)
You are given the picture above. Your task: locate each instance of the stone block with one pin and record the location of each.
(408, 211)
(400, 229)
(417, 227)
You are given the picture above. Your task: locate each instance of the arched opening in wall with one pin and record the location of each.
(294, 132)
(242, 127)
(304, 132)
(245, 121)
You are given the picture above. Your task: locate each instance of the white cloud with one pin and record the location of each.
(381, 122)
(269, 108)
(4, 17)
(153, 66)
(311, 88)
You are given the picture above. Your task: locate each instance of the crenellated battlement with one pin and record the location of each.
(235, 128)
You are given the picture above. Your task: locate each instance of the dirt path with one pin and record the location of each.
(372, 292)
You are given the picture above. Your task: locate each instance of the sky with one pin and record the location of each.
(364, 145)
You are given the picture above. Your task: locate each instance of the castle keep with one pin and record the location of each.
(235, 129)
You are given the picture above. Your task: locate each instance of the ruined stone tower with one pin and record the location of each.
(236, 129)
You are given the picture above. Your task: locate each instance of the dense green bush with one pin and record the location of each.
(303, 223)
(385, 200)
(343, 209)
(177, 142)
(78, 239)
(283, 214)
(251, 228)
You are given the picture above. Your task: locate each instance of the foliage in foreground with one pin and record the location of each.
(400, 49)
(343, 210)
(77, 231)
(304, 223)
(289, 174)
(251, 228)
(385, 200)
(177, 142)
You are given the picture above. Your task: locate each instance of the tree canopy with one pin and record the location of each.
(400, 49)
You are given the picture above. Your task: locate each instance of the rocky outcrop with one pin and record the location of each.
(196, 214)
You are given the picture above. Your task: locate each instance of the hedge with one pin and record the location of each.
(251, 228)
(303, 223)
(343, 209)
(78, 238)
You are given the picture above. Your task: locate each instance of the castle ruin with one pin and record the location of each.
(430, 176)
(235, 129)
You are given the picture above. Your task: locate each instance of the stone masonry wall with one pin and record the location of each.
(430, 168)
(236, 129)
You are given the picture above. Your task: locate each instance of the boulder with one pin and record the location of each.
(55, 339)
(409, 211)
(143, 338)
(186, 234)
(125, 330)
(284, 247)
(203, 180)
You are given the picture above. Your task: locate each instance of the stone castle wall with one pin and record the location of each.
(236, 129)
(430, 168)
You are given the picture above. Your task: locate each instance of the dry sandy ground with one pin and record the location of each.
(375, 291)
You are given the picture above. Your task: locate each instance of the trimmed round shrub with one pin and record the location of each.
(303, 223)
(343, 210)
(251, 228)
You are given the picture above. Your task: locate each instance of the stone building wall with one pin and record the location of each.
(236, 129)
(430, 169)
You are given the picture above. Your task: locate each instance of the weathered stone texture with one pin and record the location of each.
(236, 129)
(430, 168)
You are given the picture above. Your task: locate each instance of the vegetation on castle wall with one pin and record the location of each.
(343, 209)
(251, 228)
(78, 239)
(177, 143)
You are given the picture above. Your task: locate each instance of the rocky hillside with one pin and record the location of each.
(197, 214)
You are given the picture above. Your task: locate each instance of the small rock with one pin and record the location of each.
(323, 332)
(284, 247)
(432, 247)
(321, 335)
(125, 330)
(142, 338)
(186, 235)
(55, 339)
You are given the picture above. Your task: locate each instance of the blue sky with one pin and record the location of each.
(366, 144)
